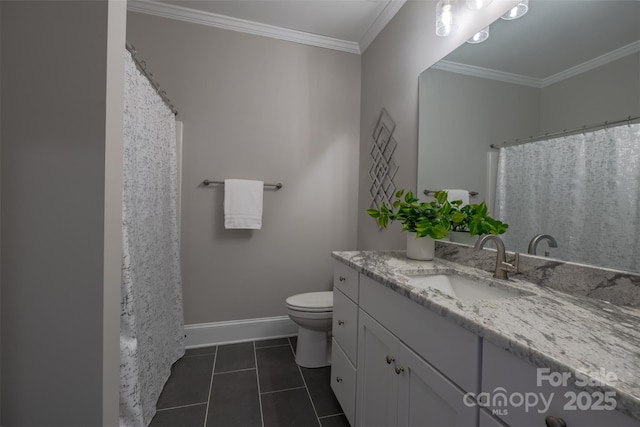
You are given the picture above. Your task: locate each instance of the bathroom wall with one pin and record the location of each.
(56, 265)
(486, 111)
(0, 210)
(610, 92)
(390, 69)
(258, 108)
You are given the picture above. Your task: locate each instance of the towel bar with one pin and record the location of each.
(209, 182)
(432, 192)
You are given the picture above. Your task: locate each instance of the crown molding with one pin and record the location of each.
(487, 73)
(614, 55)
(381, 21)
(171, 11)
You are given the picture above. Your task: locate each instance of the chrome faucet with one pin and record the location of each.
(533, 245)
(502, 266)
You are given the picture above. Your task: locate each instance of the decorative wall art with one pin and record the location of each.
(384, 166)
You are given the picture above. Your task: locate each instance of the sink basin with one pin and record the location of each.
(463, 288)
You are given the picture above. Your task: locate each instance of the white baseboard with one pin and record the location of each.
(216, 333)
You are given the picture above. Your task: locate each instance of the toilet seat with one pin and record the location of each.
(311, 302)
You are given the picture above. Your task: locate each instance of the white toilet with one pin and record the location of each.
(313, 313)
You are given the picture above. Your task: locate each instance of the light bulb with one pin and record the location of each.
(478, 4)
(480, 36)
(517, 11)
(446, 17)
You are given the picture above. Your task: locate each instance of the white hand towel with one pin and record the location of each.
(243, 203)
(458, 195)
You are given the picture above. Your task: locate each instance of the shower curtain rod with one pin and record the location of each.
(142, 66)
(604, 125)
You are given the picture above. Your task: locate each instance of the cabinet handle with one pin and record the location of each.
(399, 369)
(340, 322)
(390, 359)
(342, 278)
(551, 421)
(339, 379)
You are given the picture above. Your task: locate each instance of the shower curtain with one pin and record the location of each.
(583, 189)
(152, 326)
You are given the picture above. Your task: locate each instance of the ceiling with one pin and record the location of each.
(555, 36)
(349, 25)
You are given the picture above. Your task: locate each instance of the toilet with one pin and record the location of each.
(313, 313)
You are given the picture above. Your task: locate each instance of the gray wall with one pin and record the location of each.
(54, 81)
(390, 69)
(0, 213)
(610, 92)
(460, 117)
(258, 108)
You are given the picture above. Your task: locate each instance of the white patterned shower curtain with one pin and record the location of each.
(152, 325)
(583, 189)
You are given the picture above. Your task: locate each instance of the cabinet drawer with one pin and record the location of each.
(507, 375)
(345, 324)
(452, 350)
(345, 278)
(343, 381)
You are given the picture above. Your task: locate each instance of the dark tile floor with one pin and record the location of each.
(247, 384)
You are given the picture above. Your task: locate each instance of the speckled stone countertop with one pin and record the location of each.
(546, 327)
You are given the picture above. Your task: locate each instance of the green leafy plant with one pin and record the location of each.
(475, 219)
(431, 219)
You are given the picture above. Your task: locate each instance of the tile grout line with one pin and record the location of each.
(255, 360)
(331, 415)
(213, 369)
(272, 346)
(284, 389)
(186, 356)
(307, 389)
(181, 406)
(233, 372)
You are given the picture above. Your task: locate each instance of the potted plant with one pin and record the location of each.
(423, 221)
(472, 220)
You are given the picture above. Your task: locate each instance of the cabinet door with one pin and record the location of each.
(377, 391)
(343, 382)
(487, 420)
(506, 377)
(345, 324)
(426, 398)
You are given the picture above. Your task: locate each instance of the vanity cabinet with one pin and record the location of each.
(345, 338)
(399, 363)
(396, 387)
(413, 365)
(507, 375)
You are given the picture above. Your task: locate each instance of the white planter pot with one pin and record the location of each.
(463, 237)
(421, 249)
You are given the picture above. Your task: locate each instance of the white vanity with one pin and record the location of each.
(409, 356)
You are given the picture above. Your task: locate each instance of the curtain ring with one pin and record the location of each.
(629, 121)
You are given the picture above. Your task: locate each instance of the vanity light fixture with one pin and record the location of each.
(478, 4)
(480, 36)
(517, 11)
(446, 17)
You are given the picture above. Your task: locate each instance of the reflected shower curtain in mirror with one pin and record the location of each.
(583, 189)
(152, 325)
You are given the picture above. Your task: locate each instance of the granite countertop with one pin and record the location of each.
(546, 327)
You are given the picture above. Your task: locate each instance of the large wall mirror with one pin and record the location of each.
(563, 65)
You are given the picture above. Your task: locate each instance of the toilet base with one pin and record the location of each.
(313, 349)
